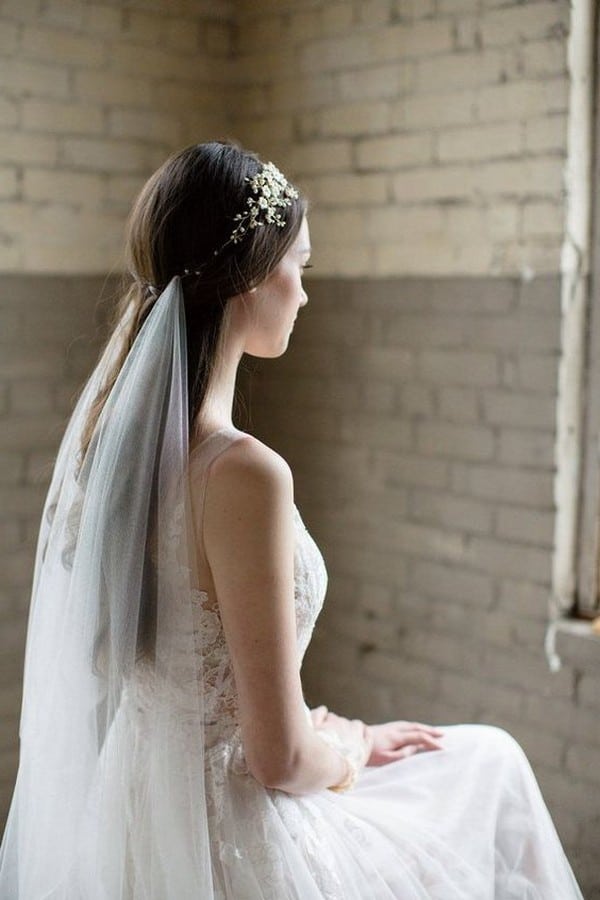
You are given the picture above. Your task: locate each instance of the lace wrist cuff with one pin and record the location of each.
(348, 781)
(353, 756)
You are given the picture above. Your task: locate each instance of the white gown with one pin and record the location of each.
(467, 821)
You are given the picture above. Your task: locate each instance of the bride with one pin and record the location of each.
(167, 752)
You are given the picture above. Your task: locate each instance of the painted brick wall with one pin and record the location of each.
(430, 135)
(50, 332)
(93, 97)
(415, 405)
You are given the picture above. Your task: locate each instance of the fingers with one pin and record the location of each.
(409, 751)
(437, 732)
(422, 727)
(405, 752)
(420, 738)
(405, 728)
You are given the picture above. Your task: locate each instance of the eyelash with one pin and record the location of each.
(307, 266)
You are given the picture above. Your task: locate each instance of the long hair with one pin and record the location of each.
(182, 219)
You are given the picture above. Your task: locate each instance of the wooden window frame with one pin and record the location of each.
(587, 600)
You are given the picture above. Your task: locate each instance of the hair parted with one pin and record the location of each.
(181, 222)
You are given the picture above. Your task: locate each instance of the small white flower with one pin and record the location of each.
(272, 192)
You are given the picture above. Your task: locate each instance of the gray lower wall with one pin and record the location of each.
(50, 333)
(418, 418)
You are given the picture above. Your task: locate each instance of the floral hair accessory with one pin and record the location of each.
(270, 192)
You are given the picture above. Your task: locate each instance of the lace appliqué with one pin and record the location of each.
(310, 584)
(221, 721)
(304, 823)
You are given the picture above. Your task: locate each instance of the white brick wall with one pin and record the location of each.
(92, 98)
(451, 122)
(418, 415)
(457, 113)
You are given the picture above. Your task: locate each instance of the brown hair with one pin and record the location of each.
(182, 215)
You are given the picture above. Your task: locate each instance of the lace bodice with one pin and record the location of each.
(222, 736)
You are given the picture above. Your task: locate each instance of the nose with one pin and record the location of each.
(304, 299)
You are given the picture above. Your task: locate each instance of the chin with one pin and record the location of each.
(272, 353)
(271, 349)
(284, 345)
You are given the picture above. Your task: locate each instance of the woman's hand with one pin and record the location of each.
(393, 740)
(318, 715)
(353, 734)
(397, 740)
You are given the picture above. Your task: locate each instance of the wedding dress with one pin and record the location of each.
(467, 821)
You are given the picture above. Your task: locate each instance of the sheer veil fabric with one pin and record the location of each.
(102, 810)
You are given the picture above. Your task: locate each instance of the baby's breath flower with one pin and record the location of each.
(270, 192)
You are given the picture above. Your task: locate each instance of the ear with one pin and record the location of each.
(243, 294)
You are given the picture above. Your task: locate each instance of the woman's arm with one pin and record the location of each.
(249, 535)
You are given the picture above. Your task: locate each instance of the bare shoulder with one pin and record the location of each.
(248, 458)
(248, 477)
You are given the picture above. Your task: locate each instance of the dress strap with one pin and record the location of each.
(201, 459)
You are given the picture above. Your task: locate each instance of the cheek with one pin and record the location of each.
(288, 291)
(283, 296)
(294, 285)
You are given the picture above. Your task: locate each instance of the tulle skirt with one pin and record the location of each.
(468, 821)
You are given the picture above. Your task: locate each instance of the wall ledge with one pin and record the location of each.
(578, 645)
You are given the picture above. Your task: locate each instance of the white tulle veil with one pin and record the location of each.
(110, 799)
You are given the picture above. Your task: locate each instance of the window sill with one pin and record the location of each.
(577, 644)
